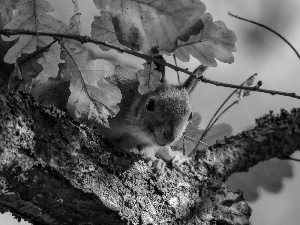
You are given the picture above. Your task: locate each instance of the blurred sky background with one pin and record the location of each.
(273, 187)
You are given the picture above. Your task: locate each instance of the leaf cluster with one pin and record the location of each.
(60, 72)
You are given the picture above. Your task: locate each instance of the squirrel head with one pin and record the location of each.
(163, 113)
(156, 118)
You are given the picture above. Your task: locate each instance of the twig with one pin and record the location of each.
(85, 39)
(259, 83)
(183, 143)
(269, 29)
(218, 110)
(38, 51)
(209, 125)
(178, 78)
(296, 160)
(225, 110)
(212, 121)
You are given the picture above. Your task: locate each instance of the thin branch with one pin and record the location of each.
(86, 39)
(218, 110)
(210, 124)
(183, 143)
(269, 29)
(38, 51)
(209, 127)
(213, 121)
(178, 78)
(225, 110)
(293, 159)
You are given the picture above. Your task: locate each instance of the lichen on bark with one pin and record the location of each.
(55, 171)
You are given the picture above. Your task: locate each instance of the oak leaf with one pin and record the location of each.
(49, 62)
(92, 99)
(6, 12)
(32, 15)
(103, 29)
(148, 26)
(215, 41)
(36, 68)
(75, 23)
(26, 69)
(149, 78)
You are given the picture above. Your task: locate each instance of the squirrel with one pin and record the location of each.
(149, 124)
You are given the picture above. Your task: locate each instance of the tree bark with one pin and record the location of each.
(56, 171)
(275, 136)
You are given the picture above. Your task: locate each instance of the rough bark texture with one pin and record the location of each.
(275, 136)
(55, 171)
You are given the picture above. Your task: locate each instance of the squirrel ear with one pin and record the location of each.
(192, 81)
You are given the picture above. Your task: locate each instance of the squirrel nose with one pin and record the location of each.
(168, 133)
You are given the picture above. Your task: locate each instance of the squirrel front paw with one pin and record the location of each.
(177, 158)
(180, 159)
(160, 155)
(148, 153)
(158, 166)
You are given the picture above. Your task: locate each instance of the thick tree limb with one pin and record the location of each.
(55, 171)
(275, 136)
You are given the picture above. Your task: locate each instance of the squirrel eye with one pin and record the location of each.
(191, 116)
(150, 105)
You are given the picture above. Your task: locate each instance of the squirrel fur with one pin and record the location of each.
(149, 124)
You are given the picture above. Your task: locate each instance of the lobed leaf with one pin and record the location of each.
(26, 70)
(77, 85)
(49, 62)
(215, 41)
(8, 4)
(149, 78)
(149, 26)
(94, 74)
(75, 24)
(32, 15)
(6, 12)
(36, 68)
(92, 99)
(103, 29)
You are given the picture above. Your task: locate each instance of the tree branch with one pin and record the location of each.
(275, 136)
(56, 171)
(86, 39)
